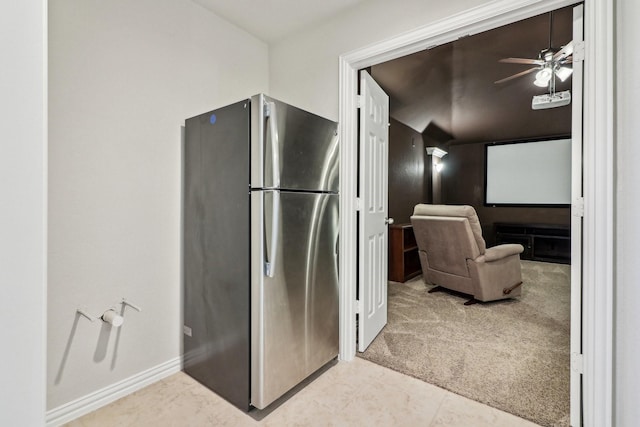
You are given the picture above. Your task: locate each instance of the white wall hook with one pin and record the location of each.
(85, 314)
(135, 307)
(113, 318)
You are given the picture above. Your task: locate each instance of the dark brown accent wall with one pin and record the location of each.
(448, 93)
(409, 172)
(463, 184)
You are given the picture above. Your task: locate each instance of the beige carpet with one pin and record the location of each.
(512, 355)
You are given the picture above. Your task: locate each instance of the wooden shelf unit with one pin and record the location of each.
(542, 242)
(404, 261)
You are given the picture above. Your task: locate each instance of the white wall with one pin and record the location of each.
(627, 337)
(304, 66)
(123, 77)
(23, 212)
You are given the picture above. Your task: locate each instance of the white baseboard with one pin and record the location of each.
(92, 401)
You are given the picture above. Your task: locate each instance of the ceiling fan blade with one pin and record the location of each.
(564, 52)
(515, 76)
(523, 61)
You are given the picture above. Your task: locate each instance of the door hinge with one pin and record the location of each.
(358, 204)
(359, 101)
(578, 207)
(358, 306)
(578, 51)
(577, 363)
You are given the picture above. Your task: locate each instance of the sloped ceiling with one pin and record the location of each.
(451, 87)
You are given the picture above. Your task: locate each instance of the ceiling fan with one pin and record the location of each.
(551, 63)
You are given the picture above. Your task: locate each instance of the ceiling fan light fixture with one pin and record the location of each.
(541, 83)
(542, 77)
(547, 55)
(548, 66)
(563, 73)
(544, 74)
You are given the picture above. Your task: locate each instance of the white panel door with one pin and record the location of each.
(577, 209)
(373, 235)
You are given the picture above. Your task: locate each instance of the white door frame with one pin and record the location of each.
(577, 156)
(598, 137)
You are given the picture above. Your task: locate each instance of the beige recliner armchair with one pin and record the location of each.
(454, 255)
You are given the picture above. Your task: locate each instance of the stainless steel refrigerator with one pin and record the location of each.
(260, 254)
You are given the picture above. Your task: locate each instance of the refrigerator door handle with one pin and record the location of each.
(337, 253)
(272, 118)
(270, 258)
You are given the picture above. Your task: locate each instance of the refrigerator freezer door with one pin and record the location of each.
(294, 314)
(291, 148)
(216, 251)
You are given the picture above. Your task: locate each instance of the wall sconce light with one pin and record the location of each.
(436, 152)
(437, 165)
(436, 157)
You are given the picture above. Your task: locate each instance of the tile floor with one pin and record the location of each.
(357, 393)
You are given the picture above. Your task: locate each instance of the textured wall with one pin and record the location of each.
(123, 77)
(451, 88)
(408, 183)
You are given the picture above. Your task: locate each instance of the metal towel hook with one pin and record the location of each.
(82, 312)
(130, 304)
(85, 314)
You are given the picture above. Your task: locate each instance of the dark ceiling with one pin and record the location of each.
(450, 89)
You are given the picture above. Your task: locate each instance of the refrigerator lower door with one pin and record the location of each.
(294, 290)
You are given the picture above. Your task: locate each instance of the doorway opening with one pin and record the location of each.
(450, 106)
(597, 163)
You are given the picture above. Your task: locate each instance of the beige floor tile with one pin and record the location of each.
(348, 394)
(458, 411)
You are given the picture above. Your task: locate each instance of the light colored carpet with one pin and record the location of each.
(512, 354)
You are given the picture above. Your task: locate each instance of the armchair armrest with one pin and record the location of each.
(502, 251)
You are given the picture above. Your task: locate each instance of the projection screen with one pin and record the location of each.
(528, 173)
